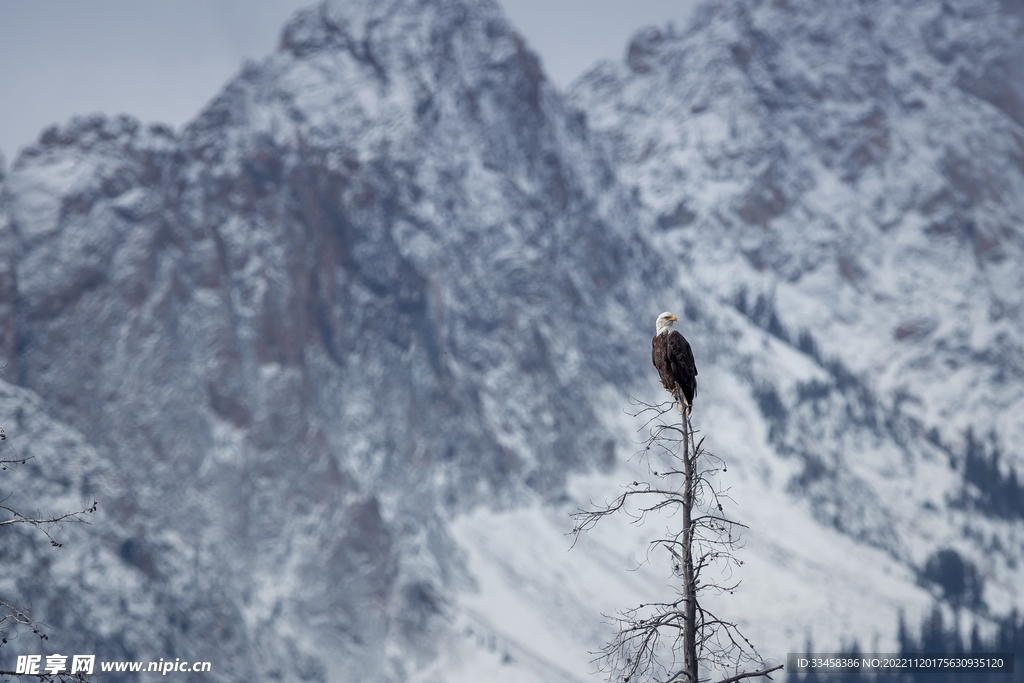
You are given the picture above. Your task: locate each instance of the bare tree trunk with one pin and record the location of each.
(689, 581)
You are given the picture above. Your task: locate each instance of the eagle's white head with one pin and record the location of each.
(664, 322)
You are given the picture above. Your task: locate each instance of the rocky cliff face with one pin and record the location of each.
(851, 180)
(341, 349)
(374, 282)
(7, 280)
(856, 170)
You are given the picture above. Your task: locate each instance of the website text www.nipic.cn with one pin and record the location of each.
(86, 664)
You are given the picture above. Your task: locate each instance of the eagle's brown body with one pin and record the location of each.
(673, 358)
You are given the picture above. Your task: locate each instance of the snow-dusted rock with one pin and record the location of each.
(377, 281)
(350, 345)
(850, 178)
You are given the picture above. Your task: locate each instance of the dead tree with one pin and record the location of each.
(667, 641)
(14, 619)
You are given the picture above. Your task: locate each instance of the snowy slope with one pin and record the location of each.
(850, 179)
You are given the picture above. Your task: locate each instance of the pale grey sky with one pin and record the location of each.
(162, 60)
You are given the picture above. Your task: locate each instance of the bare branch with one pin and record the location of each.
(53, 678)
(654, 639)
(47, 524)
(751, 674)
(6, 464)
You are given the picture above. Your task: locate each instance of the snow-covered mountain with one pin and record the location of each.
(375, 283)
(860, 170)
(851, 178)
(339, 357)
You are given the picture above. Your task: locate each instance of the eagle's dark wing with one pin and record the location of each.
(659, 355)
(681, 365)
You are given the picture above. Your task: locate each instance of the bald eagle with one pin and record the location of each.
(672, 356)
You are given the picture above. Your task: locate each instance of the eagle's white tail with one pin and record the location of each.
(682, 404)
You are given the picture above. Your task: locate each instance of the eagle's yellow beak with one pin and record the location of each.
(673, 318)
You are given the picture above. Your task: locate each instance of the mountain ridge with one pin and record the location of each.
(316, 322)
(371, 318)
(815, 204)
